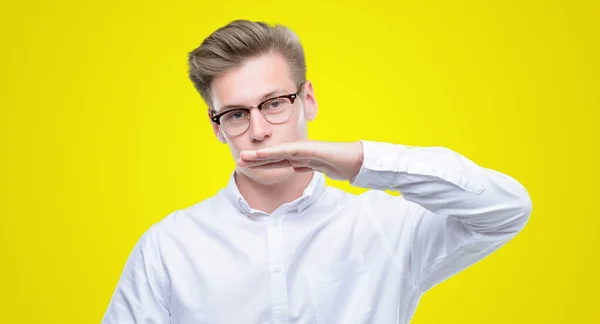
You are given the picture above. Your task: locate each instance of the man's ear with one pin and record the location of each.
(310, 102)
(216, 129)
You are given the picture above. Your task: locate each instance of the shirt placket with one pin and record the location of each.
(279, 296)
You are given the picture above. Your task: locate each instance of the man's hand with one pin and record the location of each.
(339, 161)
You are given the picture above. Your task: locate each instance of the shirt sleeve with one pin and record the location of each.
(451, 212)
(140, 293)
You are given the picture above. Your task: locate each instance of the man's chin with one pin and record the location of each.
(268, 176)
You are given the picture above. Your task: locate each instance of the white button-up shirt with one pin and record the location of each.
(329, 256)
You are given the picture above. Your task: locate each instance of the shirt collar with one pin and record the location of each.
(312, 192)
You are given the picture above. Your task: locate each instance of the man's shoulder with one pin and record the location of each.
(182, 220)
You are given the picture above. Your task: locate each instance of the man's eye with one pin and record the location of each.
(275, 104)
(236, 116)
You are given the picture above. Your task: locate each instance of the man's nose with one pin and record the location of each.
(259, 126)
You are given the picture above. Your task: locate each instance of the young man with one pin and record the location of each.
(277, 245)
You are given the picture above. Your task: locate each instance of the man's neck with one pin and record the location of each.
(268, 198)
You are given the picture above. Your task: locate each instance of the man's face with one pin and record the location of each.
(259, 79)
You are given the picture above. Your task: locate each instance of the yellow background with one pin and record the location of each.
(102, 135)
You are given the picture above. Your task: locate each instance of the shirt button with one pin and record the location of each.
(277, 269)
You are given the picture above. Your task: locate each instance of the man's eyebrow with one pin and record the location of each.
(230, 107)
(268, 95)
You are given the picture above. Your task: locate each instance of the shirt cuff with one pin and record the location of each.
(380, 160)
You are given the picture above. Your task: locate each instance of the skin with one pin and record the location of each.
(275, 162)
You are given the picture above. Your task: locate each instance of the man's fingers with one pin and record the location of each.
(287, 150)
(271, 165)
(248, 155)
(296, 162)
(302, 169)
(279, 151)
(265, 154)
(255, 163)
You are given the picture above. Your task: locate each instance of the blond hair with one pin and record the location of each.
(233, 44)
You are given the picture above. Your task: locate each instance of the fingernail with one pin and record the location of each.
(249, 154)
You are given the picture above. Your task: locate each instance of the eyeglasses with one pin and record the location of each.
(275, 110)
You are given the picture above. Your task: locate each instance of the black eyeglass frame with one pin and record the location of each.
(291, 97)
